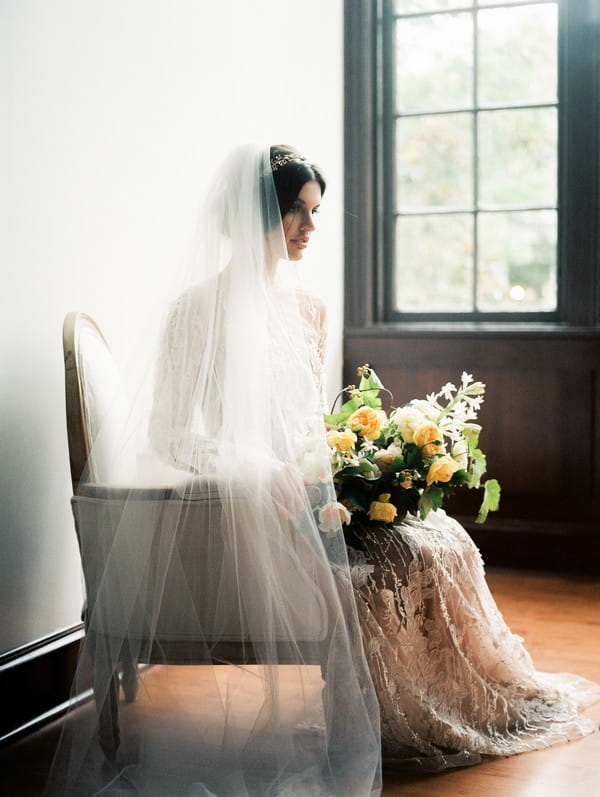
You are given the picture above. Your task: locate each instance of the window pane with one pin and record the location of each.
(434, 263)
(434, 58)
(434, 161)
(517, 54)
(408, 6)
(518, 157)
(495, 2)
(517, 261)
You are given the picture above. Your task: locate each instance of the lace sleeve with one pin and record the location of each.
(315, 312)
(171, 423)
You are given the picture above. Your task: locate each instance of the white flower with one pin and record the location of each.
(447, 391)
(471, 388)
(367, 446)
(332, 515)
(408, 420)
(460, 454)
(475, 403)
(430, 409)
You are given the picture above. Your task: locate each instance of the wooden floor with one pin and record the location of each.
(559, 618)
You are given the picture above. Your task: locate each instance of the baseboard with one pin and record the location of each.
(540, 545)
(35, 682)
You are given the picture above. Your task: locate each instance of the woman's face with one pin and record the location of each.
(298, 222)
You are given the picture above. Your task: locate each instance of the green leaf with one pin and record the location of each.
(345, 412)
(431, 499)
(370, 386)
(366, 470)
(459, 477)
(471, 433)
(491, 500)
(447, 489)
(372, 401)
(367, 467)
(398, 465)
(413, 456)
(478, 467)
(371, 382)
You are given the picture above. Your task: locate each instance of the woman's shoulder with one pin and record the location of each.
(312, 305)
(196, 297)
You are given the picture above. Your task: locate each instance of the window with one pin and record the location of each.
(471, 160)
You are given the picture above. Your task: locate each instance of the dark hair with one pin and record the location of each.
(290, 177)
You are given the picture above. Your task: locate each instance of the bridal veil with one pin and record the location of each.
(199, 509)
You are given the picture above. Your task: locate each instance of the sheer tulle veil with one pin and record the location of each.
(224, 414)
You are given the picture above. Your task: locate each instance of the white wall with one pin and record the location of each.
(112, 112)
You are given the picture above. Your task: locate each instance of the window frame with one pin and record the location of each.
(368, 148)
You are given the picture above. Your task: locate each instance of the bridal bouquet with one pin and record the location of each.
(410, 459)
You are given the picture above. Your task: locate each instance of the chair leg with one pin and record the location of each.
(106, 695)
(129, 678)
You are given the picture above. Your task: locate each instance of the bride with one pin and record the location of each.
(229, 408)
(218, 442)
(453, 683)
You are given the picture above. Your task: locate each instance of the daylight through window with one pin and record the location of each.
(472, 120)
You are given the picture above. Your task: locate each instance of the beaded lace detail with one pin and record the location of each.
(452, 680)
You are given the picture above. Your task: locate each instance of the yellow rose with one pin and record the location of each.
(341, 440)
(426, 436)
(408, 420)
(367, 421)
(441, 469)
(382, 509)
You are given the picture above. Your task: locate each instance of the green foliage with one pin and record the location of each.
(398, 464)
(471, 433)
(478, 468)
(366, 395)
(369, 387)
(412, 455)
(460, 477)
(430, 500)
(491, 500)
(345, 412)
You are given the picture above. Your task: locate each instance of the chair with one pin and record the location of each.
(93, 386)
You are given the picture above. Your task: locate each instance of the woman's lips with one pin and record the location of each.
(301, 243)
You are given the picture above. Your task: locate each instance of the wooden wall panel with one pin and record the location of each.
(595, 475)
(541, 422)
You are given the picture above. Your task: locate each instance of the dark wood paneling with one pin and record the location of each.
(541, 432)
(35, 682)
(596, 439)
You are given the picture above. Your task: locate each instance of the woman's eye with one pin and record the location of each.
(315, 211)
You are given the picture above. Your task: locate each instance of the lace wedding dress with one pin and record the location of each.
(453, 682)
